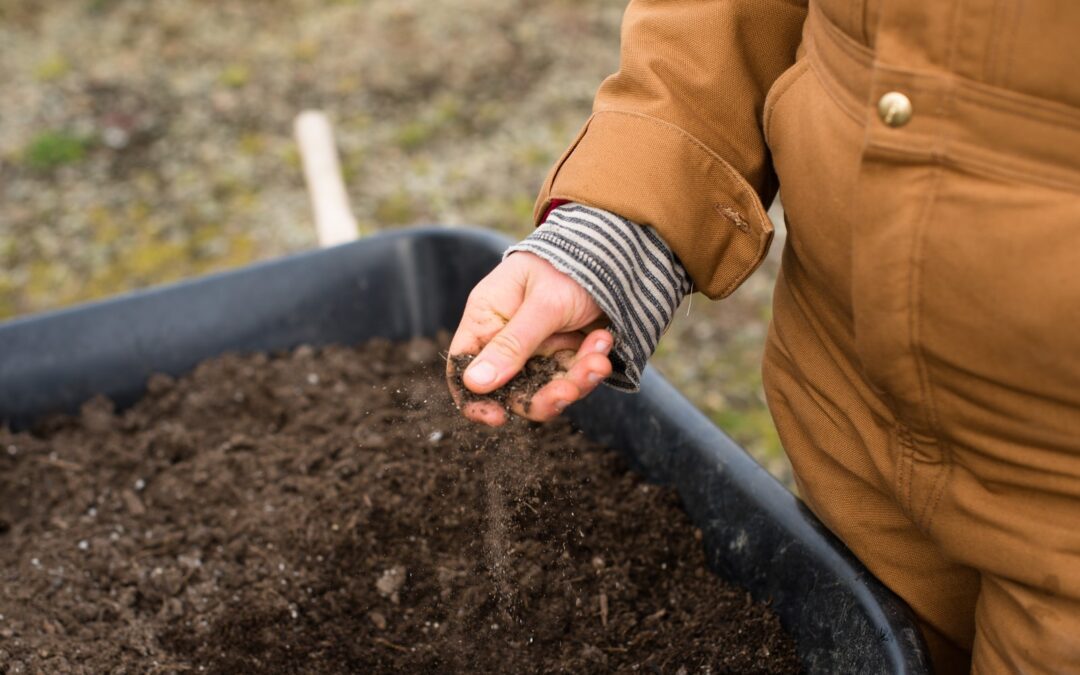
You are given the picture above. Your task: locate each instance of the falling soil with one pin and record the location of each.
(328, 511)
(537, 372)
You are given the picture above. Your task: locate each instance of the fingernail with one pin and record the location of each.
(481, 374)
(602, 346)
(593, 378)
(561, 405)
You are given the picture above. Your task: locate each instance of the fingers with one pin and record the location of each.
(585, 370)
(561, 342)
(591, 364)
(485, 412)
(549, 402)
(505, 354)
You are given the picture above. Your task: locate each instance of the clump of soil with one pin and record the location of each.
(538, 371)
(328, 511)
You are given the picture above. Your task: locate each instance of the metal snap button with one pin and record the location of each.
(894, 109)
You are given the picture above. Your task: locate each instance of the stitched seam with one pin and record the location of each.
(857, 51)
(837, 92)
(1010, 57)
(759, 256)
(901, 466)
(785, 82)
(734, 175)
(915, 331)
(1030, 174)
(549, 182)
(910, 476)
(1029, 108)
(939, 485)
(864, 27)
(950, 54)
(987, 163)
(993, 49)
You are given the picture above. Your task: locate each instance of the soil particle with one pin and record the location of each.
(250, 518)
(390, 582)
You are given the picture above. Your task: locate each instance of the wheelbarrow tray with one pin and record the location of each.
(414, 282)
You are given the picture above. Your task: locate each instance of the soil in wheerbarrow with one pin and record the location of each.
(329, 511)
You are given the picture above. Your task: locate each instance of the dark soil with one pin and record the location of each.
(328, 511)
(538, 371)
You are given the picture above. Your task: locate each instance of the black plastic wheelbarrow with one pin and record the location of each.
(414, 282)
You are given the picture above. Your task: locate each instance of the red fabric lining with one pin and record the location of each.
(555, 203)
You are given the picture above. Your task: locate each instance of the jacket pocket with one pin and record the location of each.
(780, 87)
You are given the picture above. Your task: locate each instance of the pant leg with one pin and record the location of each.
(844, 451)
(1021, 629)
(999, 339)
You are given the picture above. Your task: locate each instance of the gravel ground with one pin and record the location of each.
(143, 141)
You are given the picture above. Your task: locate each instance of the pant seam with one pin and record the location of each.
(939, 487)
(929, 404)
(903, 486)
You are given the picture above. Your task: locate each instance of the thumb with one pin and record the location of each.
(506, 353)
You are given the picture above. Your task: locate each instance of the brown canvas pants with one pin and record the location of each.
(923, 366)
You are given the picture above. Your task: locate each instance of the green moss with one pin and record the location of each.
(358, 122)
(51, 149)
(251, 144)
(305, 50)
(522, 209)
(439, 118)
(533, 155)
(99, 6)
(397, 209)
(421, 166)
(352, 165)
(414, 135)
(104, 228)
(9, 295)
(41, 282)
(235, 75)
(347, 84)
(447, 109)
(52, 69)
(291, 157)
(752, 428)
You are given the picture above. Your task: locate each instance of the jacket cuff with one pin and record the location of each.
(630, 272)
(654, 173)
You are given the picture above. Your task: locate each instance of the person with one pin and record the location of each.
(923, 362)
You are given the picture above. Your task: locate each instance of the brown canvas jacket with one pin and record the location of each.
(677, 138)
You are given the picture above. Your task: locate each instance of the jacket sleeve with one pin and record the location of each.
(675, 139)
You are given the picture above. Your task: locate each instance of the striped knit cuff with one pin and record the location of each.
(627, 268)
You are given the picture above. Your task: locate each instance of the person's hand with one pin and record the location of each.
(526, 307)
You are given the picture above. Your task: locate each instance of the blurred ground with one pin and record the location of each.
(143, 141)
